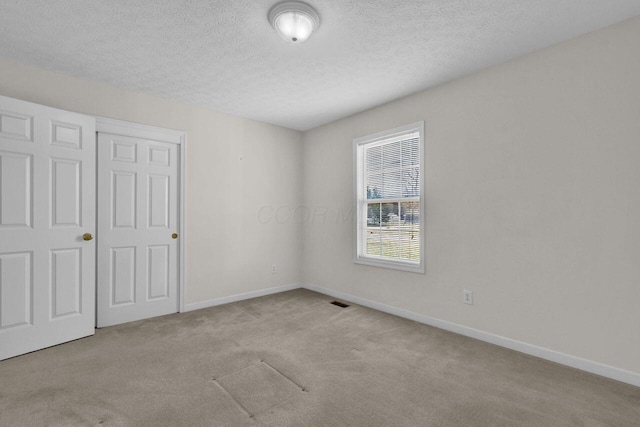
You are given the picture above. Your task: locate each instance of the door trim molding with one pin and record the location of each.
(137, 130)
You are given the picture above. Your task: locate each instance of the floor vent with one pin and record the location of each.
(340, 304)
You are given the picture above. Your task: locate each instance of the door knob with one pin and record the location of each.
(87, 236)
(174, 236)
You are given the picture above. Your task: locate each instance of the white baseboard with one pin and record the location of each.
(239, 297)
(622, 375)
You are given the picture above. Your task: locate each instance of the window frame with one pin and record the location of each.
(359, 146)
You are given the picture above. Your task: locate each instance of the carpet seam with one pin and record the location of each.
(278, 372)
(232, 398)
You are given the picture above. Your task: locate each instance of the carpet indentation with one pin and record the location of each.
(258, 387)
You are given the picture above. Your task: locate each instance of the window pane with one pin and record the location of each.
(411, 152)
(373, 214)
(393, 169)
(374, 159)
(410, 231)
(410, 246)
(389, 243)
(389, 214)
(393, 230)
(375, 183)
(411, 182)
(392, 155)
(373, 241)
(373, 229)
(411, 215)
(392, 184)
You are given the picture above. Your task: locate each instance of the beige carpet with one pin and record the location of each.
(293, 359)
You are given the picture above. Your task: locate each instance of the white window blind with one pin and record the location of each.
(389, 172)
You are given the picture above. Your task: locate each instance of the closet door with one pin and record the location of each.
(47, 220)
(138, 262)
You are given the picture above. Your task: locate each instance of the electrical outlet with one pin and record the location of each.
(467, 297)
(274, 269)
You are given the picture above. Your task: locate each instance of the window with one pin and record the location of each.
(390, 205)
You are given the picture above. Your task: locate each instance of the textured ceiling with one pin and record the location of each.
(223, 54)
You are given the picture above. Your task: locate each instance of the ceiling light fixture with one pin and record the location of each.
(294, 21)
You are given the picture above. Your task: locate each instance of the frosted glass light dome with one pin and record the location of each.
(294, 21)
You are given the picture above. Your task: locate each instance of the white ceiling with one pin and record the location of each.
(223, 54)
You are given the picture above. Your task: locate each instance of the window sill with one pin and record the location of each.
(394, 265)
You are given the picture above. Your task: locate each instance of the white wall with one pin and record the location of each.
(235, 166)
(533, 200)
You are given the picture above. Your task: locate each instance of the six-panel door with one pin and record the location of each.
(137, 215)
(47, 203)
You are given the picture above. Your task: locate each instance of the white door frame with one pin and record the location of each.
(124, 128)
